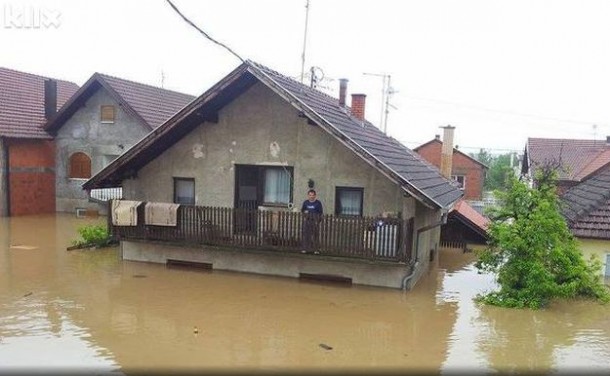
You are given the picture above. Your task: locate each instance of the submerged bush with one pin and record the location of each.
(533, 253)
(93, 235)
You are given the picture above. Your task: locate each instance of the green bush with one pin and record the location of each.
(93, 235)
(533, 253)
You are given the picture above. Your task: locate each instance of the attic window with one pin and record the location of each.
(107, 114)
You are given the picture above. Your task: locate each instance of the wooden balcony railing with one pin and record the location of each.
(354, 237)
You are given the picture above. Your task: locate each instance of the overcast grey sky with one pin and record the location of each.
(499, 71)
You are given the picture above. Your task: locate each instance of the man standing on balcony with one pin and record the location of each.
(312, 215)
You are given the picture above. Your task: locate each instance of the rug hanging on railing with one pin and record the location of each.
(161, 214)
(125, 212)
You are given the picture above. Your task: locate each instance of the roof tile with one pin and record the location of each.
(22, 103)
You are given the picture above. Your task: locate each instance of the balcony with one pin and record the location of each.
(363, 238)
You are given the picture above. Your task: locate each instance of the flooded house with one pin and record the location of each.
(27, 151)
(583, 168)
(105, 117)
(220, 185)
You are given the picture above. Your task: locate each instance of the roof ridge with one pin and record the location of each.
(104, 75)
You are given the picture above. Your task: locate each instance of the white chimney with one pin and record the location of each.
(447, 151)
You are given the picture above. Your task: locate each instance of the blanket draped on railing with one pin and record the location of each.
(161, 214)
(125, 212)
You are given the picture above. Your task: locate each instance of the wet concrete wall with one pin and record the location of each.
(271, 263)
(102, 142)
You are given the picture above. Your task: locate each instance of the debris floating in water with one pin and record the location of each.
(195, 330)
(325, 346)
(139, 276)
(28, 294)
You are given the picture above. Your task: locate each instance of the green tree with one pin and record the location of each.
(500, 169)
(500, 173)
(532, 251)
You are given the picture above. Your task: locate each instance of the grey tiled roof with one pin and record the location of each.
(587, 207)
(407, 164)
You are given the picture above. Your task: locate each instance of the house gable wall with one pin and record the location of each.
(461, 165)
(260, 128)
(84, 132)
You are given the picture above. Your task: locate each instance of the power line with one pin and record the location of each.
(203, 32)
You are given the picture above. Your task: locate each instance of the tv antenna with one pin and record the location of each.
(386, 92)
(304, 41)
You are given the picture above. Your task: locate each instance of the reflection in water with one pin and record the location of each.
(89, 309)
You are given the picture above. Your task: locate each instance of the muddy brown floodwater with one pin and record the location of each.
(89, 310)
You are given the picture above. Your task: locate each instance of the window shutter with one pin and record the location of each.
(80, 166)
(107, 114)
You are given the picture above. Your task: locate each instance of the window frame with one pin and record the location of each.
(184, 179)
(260, 171)
(456, 179)
(338, 190)
(81, 175)
(102, 112)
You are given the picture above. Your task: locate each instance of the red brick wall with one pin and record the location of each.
(462, 165)
(31, 176)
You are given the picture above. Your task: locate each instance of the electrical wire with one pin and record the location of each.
(203, 32)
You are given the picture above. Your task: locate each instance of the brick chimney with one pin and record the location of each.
(447, 151)
(50, 98)
(358, 105)
(342, 91)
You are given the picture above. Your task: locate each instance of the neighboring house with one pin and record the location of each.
(465, 225)
(576, 160)
(587, 210)
(246, 152)
(103, 119)
(583, 185)
(467, 171)
(27, 152)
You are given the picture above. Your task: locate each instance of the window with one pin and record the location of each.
(184, 191)
(107, 114)
(348, 201)
(263, 185)
(277, 186)
(460, 179)
(80, 166)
